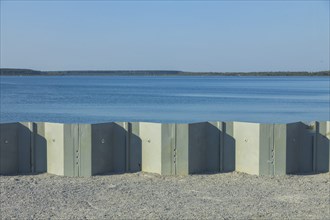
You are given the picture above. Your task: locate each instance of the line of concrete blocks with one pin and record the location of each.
(166, 149)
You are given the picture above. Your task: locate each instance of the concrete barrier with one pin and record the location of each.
(91, 149)
(322, 144)
(22, 148)
(167, 149)
(9, 163)
(134, 163)
(181, 149)
(279, 149)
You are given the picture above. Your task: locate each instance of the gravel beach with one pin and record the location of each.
(148, 196)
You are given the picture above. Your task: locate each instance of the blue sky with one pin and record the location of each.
(166, 35)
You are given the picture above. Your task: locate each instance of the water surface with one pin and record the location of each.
(85, 99)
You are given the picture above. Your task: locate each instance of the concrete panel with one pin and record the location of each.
(229, 147)
(328, 137)
(306, 148)
(273, 149)
(9, 148)
(280, 149)
(103, 149)
(197, 147)
(39, 154)
(299, 148)
(184, 148)
(170, 150)
(71, 152)
(214, 146)
(120, 146)
(84, 154)
(293, 145)
(182, 154)
(323, 145)
(25, 146)
(55, 148)
(163, 151)
(150, 134)
(86, 149)
(247, 147)
(30, 156)
(266, 149)
(283, 149)
(135, 153)
(167, 149)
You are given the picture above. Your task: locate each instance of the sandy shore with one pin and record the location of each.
(148, 196)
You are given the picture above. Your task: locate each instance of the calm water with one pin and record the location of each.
(164, 99)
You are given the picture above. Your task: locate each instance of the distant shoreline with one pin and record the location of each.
(29, 72)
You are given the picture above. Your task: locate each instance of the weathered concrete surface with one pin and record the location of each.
(54, 134)
(323, 147)
(24, 142)
(9, 148)
(182, 149)
(229, 149)
(91, 149)
(168, 149)
(151, 137)
(279, 149)
(147, 196)
(135, 150)
(39, 151)
(22, 148)
(247, 143)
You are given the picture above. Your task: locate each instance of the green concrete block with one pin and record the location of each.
(151, 137)
(105, 148)
(229, 150)
(327, 135)
(103, 152)
(299, 148)
(322, 147)
(247, 142)
(164, 148)
(91, 149)
(9, 148)
(28, 150)
(279, 149)
(196, 146)
(39, 151)
(307, 147)
(170, 150)
(135, 150)
(205, 146)
(167, 149)
(182, 149)
(54, 134)
(278, 146)
(278, 152)
(120, 145)
(25, 146)
(305, 139)
(292, 137)
(267, 149)
(260, 148)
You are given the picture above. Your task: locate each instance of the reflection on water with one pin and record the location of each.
(164, 99)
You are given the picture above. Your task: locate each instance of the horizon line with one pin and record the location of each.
(172, 70)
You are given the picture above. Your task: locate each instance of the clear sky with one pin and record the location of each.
(166, 35)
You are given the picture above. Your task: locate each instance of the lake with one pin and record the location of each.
(88, 99)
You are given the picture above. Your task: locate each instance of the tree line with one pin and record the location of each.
(30, 72)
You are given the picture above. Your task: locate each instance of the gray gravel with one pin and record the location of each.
(148, 196)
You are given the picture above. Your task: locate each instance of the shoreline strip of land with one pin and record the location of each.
(30, 72)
